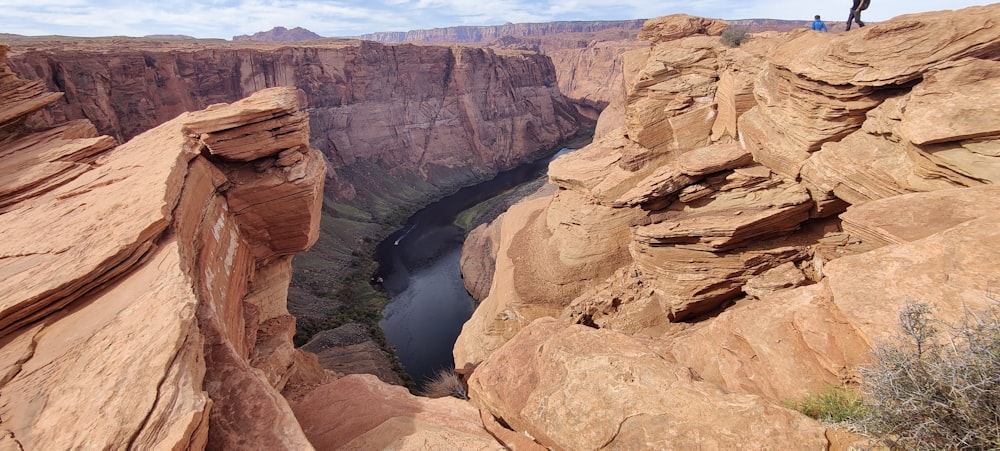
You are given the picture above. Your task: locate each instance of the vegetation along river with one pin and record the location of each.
(419, 270)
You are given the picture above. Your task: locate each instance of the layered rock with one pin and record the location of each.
(351, 349)
(485, 33)
(397, 124)
(591, 74)
(132, 301)
(784, 201)
(359, 412)
(631, 398)
(145, 291)
(405, 109)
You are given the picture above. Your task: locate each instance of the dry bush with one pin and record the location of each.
(937, 386)
(445, 383)
(734, 36)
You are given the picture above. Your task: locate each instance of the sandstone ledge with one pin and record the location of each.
(126, 302)
(871, 185)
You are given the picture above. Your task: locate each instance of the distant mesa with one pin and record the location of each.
(492, 33)
(280, 34)
(169, 36)
(466, 34)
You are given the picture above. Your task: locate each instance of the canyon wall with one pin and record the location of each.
(143, 290)
(471, 34)
(751, 230)
(397, 124)
(144, 284)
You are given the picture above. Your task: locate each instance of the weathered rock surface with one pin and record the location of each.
(631, 398)
(869, 185)
(398, 124)
(360, 412)
(350, 349)
(405, 108)
(479, 256)
(130, 302)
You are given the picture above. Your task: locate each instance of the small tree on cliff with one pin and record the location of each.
(937, 386)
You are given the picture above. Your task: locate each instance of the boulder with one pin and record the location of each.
(570, 248)
(573, 387)
(361, 412)
(677, 26)
(478, 261)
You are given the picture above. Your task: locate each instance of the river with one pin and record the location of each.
(418, 265)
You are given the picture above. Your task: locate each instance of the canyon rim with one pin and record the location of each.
(746, 225)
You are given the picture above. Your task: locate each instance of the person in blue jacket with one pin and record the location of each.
(818, 25)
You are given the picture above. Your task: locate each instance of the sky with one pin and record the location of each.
(332, 18)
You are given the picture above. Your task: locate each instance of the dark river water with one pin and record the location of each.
(419, 269)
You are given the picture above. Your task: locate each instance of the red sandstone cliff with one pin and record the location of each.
(423, 112)
(471, 34)
(820, 177)
(397, 124)
(143, 298)
(143, 290)
(755, 225)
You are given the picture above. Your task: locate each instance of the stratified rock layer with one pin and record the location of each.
(144, 291)
(631, 398)
(398, 125)
(359, 412)
(131, 301)
(754, 228)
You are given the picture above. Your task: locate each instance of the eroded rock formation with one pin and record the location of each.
(144, 290)
(397, 124)
(755, 226)
(139, 280)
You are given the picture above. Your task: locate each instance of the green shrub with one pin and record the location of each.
(937, 385)
(834, 405)
(734, 36)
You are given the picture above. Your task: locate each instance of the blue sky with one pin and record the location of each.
(226, 18)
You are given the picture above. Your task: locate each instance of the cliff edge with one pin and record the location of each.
(143, 285)
(144, 290)
(744, 239)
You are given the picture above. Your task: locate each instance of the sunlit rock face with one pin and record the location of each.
(144, 284)
(431, 115)
(759, 219)
(398, 125)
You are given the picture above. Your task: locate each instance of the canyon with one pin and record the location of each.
(746, 225)
(398, 125)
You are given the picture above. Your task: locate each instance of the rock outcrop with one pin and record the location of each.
(397, 124)
(144, 290)
(754, 227)
(139, 280)
(358, 412)
(630, 398)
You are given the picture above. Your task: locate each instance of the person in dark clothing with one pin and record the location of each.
(818, 25)
(856, 8)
